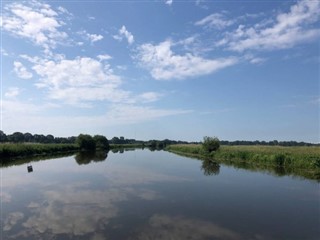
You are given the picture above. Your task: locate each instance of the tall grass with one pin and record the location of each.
(12, 150)
(298, 157)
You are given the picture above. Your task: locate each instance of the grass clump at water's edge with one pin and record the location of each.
(302, 161)
(16, 150)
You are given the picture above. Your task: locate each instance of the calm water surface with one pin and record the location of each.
(153, 195)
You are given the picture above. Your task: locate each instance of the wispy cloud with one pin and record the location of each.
(103, 57)
(215, 20)
(120, 114)
(289, 29)
(3, 52)
(35, 21)
(92, 37)
(164, 64)
(12, 92)
(21, 70)
(124, 33)
(149, 97)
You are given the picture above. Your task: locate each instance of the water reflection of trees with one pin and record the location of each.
(278, 171)
(210, 167)
(122, 149)
(8, 162)
(90, 156)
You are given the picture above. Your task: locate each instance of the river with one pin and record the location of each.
(145, 194)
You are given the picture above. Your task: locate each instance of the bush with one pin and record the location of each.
(210, 144)
(86, 142)
(101, 142)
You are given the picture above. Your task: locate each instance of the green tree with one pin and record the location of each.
(101, 142)
(210, 144)
(3, 137)
(86, 142)
(16, 137)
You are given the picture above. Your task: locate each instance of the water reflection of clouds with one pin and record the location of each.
(75, 207)
(12, 219)
(5, 197)
(177, 227)
(15, 180)
(75, 210)
(126, 175)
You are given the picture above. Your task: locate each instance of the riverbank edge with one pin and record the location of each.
(302, 157)
(311, 173)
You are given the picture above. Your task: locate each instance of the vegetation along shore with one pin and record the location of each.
(298, 160)
(277, 156)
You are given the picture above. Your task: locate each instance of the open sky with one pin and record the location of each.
(238, 70)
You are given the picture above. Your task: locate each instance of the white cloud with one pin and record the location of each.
(12, 92)
(94, 37)
(287, 30)
(80, 79)
(62, 10)
(90, 37)
(169, 2)
(129, 113)
(164, 64)
(124, 33)
(35, 21)
(104, 57)
(21, 70)
(4, 52)
(215, 20)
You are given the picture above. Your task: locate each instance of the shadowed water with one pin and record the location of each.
(153, 195)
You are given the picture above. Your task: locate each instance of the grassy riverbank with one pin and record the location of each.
(276, 160)
(16, 150)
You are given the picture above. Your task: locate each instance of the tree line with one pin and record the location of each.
(18, 137)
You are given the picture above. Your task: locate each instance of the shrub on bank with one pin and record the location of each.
(210, 144)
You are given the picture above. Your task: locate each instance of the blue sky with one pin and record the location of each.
(239, 70)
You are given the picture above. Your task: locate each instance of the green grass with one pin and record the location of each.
(301, 161)
(13, 150)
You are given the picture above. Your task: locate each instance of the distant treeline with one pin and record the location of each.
(151, 143)
(18, 137)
